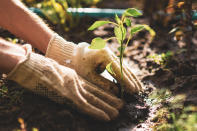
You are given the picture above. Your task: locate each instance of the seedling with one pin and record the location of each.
(3, 91)
(162, 59)
(120, 32)
(173, 116)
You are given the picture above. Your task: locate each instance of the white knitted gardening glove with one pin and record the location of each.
(62, 84)
(87, 62)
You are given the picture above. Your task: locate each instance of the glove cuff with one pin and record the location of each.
(21, 66)
(60, 50)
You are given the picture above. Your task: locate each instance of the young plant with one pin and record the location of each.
(120, 32)
(162, 59)
(3, 91)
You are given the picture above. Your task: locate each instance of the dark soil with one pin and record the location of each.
(180, 76)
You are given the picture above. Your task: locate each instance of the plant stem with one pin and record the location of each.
(113, 23)
(121, 70)
(110, 38)
(121, 60)
(128, 41)
(122, 19)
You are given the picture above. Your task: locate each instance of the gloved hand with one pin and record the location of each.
(62, 84)
(87, 62)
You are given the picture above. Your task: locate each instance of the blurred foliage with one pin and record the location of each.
(23, 126)
(180, 10)
(159, 96)
(3, 91)
(82, 3)
(13, 40)
(176, 14)
(186, 121)
(155, 10)
(163, 58)
(172, 115)
(163, 12)
(56, 10)
(14, 97)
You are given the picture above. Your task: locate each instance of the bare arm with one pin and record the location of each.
(16, 18)
(10, 55)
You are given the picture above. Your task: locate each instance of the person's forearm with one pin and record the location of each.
(10, 55)
(16, 18)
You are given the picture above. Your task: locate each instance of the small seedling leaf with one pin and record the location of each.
(97, 43)
(127, 22)
(169, 54)
(151, 31)
(110, 69)
(124, 31)
(117, 19)
(98, 24)
(120, 33)
(136, 29)
(132, 12)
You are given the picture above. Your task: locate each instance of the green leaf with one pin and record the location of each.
(97, 24)
(117, 19)
(132, 12)
(110, 69)
(3, 90)
(169, 54)
(97, 43)
(124, 31)
(127, 21)
(136, 29)
(151, 31)
(120, 33)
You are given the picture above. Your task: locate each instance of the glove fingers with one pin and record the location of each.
(108, 98)
(99, 104)
(103, 83)
(87, 108)
(130, 85)
(127, 82)
(133, 77)
(130, 80)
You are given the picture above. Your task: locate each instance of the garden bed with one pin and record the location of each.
(179, 77)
